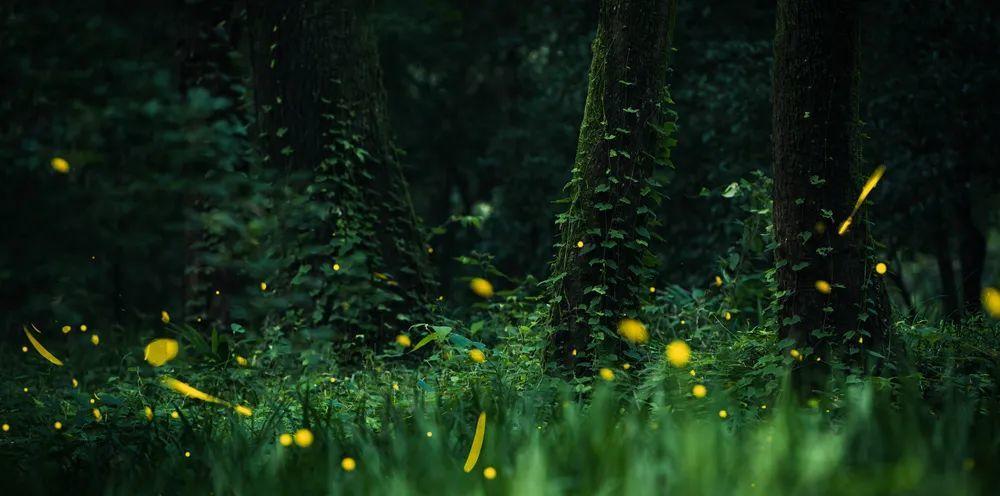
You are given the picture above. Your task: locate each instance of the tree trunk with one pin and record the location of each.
(626, 132)
(321, 110)
(817, 161)
(971, 241)
(972, 257)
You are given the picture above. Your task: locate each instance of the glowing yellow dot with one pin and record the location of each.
(395, 386)
(66, 329)
(881, 268)
(304, 438)
(348, 464)
(336, 266)
(723, 414)
(573, 352)
(60, 165)
(627, 366)
(861, 340)
(607, 374)
(718, 281)
(633, 331)
(24, 349)
(652, 289)
(95, 339)
(285, 439)
(242, 410)
(83, 327)
(823, 287)
(149, 413)
(991, 301)
(403, 340)
(481, 287)
(25, 390)
(430, 434)
(75, 383)
(164, 316)
(477, 355)
(490, 473)
(187, 454)
(699, 391)
(92, 401)
(333, 379)
(763, 407)
(175, 415)
(6, 427)
(795, 354)
(57, 425)
(683, 322)
(579, 244)
(217, 292)
(160, 351)
(263, 286)
(729, 316)
(678, 353)
(692, 373)
(97, 414)
(241, 361)
(430, 250)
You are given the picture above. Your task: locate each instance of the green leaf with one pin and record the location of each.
(732, 190)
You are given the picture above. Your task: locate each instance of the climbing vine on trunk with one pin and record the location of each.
(354, 253)
(604, 260)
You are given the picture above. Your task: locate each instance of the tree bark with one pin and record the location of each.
(971, 240)
(817, 162)
(625, 132)
(321, 112)
(972, 257)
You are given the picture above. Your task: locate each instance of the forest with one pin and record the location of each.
(526, 247)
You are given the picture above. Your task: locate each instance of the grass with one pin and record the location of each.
(926, 430)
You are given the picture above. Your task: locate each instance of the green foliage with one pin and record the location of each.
(926, 431)
(168, 199)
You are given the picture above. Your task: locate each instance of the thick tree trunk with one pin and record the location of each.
(971, 241)
(972, 257)
(625, 133)
(817, 161)
(321, 110)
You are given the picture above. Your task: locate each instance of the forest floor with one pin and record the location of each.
(277, 415)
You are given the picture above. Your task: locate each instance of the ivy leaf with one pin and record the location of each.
(732, 190)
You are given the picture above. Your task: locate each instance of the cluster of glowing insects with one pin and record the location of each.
(677, 353)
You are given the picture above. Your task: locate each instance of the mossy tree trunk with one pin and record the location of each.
(603, 262)
(817, 178)
(321, 111)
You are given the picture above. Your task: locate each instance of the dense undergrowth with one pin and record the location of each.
(926, 425)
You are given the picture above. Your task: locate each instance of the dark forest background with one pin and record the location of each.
(167, 201)
(608, 247)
